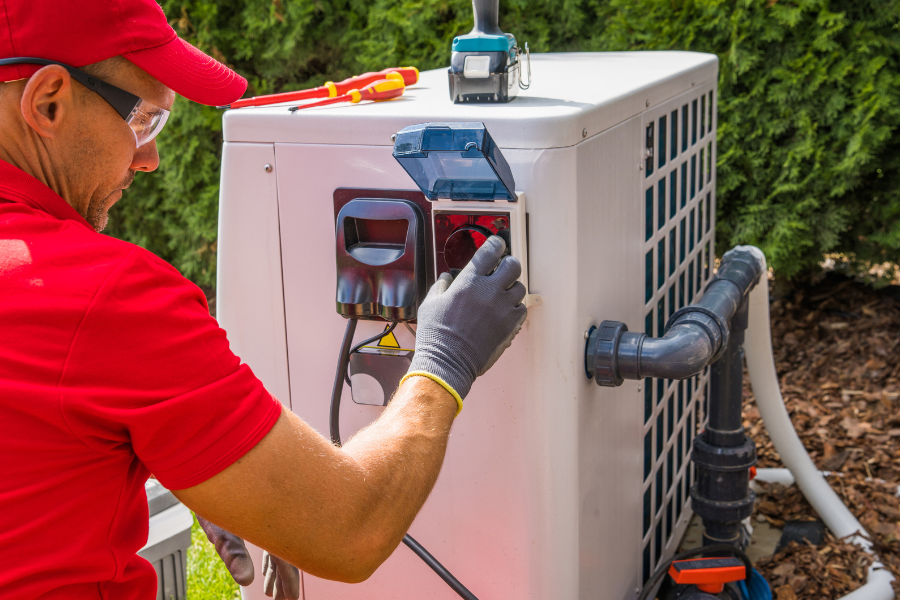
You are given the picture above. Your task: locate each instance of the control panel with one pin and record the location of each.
(460, 228)
(458, 236)
(471, 189)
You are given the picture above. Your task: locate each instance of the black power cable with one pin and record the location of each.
(334, 420)
(334, 428)
(438, 568)
(712, 549)
(390, 329)
(356, 348)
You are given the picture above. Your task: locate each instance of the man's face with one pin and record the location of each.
(102, 158)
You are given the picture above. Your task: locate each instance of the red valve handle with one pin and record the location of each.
(708, 574)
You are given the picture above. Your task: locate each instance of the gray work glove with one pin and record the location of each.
(465, 324)
(281, 578)
(231, 550)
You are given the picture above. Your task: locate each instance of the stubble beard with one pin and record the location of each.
(98, 210)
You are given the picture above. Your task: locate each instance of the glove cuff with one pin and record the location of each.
(440, 382)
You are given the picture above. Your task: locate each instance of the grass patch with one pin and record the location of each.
(207, 577)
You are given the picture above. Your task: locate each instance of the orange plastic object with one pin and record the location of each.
(752, 473)
(408, 75)
(386, 89)
(708, 574)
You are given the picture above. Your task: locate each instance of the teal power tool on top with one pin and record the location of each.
(486, 65)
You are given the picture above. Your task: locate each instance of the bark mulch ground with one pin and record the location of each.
(837, 351)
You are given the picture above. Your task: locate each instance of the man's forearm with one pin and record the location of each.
(384, 474)
(401, 454)
(337, 513)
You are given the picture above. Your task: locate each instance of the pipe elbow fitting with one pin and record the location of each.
(614, 354)
(742, 266)
(683, 352)
(695, 337)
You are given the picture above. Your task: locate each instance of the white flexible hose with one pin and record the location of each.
(764, 379)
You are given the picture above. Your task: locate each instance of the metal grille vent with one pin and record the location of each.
(679, 230)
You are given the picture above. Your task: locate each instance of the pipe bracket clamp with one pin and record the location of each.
(717, 319)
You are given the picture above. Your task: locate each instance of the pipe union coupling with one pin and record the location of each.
(612, 354)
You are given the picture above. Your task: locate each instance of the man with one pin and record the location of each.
(112, 369)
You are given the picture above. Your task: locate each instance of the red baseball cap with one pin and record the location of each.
(83, 32)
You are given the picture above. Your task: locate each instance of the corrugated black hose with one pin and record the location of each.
(347, 348)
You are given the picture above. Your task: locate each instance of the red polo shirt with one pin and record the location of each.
(110, 369)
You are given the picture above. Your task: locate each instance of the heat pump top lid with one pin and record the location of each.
(575, 96)
(459, 161)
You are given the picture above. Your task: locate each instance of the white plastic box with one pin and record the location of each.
(552, 488)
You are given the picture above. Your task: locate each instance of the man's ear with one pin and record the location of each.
(48, 98)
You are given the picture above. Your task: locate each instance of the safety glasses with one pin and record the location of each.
(144, 118)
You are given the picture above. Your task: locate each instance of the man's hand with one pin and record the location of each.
(465, 324)
(281, 578)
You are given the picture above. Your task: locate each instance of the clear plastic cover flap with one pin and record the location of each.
(459, 161)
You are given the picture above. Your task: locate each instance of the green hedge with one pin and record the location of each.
(808, 114)
(808, 105)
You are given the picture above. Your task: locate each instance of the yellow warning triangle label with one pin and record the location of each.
(389, 341)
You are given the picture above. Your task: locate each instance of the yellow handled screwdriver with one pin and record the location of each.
(386, 89)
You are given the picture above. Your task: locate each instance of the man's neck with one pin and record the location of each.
(30, 155)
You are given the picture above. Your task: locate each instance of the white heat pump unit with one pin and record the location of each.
(553, 488)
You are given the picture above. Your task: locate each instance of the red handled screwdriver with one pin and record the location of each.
(408, 75)
(385, 89)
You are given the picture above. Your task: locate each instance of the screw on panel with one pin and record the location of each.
(648, 102)
(640, 388)
(587, 334)
(393, 137)
(584, 132)
(268, 168)
(641, 167)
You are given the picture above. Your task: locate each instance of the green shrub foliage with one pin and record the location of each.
(808, 114)
(808, 105)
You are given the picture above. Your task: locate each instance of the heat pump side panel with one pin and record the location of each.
(677, 195)
(249, 295)
(503, 514)
(609, 425)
